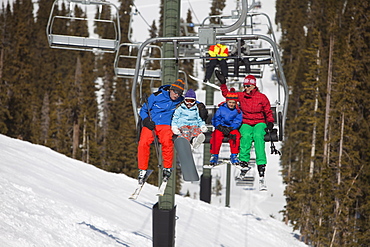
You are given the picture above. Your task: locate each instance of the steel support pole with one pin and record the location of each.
(164, 212)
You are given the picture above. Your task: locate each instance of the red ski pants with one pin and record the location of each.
(216, 142)
(164, 134)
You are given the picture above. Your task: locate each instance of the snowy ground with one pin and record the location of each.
(48, 199)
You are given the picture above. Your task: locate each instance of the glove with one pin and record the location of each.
(176, 130)
(232, 137)
(220, 77)
(270, 125)
(204, 128)
(147, 122)
(203, 112)
(225, 130)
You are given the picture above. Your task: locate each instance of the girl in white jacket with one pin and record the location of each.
(186, 121)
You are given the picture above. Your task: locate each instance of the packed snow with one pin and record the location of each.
(48, 199)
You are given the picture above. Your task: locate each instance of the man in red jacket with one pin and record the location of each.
(257, 116)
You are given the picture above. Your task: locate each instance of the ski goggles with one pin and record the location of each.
(189, 100)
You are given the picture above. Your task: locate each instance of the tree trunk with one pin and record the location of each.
(337, 203)
(76, 135)
(328, 98)
(45, 118)
(76, 108)
(313, 144)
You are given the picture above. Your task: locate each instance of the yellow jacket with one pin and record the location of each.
(218, 50)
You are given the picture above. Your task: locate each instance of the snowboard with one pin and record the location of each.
(188, 169)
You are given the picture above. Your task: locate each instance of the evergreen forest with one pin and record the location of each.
(326, 155)
(72, 102)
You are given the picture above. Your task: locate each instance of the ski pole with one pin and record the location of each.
(156, 143)
(272, 147)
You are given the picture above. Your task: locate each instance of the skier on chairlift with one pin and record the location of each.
(257, 116)
(156, 117)
(219, 53)
(227, 121)
(187, 122)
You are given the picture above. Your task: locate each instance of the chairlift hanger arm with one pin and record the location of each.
(269, 21)
(89, 2)
(238, 23)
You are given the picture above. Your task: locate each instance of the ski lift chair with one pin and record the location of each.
(61, 35)
(128, 51)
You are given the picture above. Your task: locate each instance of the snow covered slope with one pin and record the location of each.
(48, 199)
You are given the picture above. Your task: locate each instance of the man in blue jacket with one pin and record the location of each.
(157, 116)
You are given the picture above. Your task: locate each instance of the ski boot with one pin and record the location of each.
(261, 173)
(245, 168)
(141, 176)
(166, 173)
(262, 183)
(214, 159)
(261, 170)
(198, 140)
(234, 159)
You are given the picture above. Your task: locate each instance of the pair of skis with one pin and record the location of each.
(187, 164)
(139, 187)
(246, 180)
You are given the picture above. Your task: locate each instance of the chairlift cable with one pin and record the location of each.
(142, 17)
(192, 10)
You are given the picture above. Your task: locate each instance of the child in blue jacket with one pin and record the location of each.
(227, 120)
(186, 121)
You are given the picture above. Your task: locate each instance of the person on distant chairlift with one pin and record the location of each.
(187, 121)
(257, 118)
(218, 52)
(243, 51)
(227, 120)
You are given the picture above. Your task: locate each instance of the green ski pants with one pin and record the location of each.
(254, 134)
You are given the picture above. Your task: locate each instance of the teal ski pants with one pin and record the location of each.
(254, 134)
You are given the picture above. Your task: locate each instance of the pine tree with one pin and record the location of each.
(118, 121)
(216, 9)
(5, 26)
(19, 76)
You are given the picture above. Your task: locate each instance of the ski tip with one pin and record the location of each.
(208, 166)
